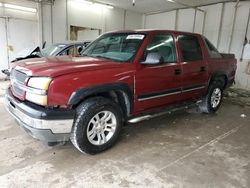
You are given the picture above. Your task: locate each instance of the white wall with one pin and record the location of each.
(59, 21)
(86, 35)
(164, 20)
(216, 24)
(79, 14)
(199, 21)
(212, 22)
(3, 45)
(19, 32)
(133, 20)
(46, 24)
(52, 22)
(185, 19)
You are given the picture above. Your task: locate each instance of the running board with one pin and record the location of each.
(163, 112)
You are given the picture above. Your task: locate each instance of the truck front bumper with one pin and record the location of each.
(51, 126)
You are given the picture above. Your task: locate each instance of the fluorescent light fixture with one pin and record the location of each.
(103, 5)
(1, 4)
(86, 2)
(99, 5)
(16, 7)
(172, 1)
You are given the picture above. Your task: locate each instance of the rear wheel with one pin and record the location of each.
(97, 125)
(212, 101)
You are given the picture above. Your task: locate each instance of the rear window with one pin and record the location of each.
(190, 48)
(213, 52)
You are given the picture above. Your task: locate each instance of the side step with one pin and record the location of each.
(162, 112)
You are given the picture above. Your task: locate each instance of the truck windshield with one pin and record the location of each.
(115, 46)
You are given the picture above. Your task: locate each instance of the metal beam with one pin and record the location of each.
(203, 23)
(51, 23)
(7, 39)
(176, 19)
(233, 25)
(195, 14)
(248, 22)
(220, 28)
(67, 21)
(124, 19)
(40, 22)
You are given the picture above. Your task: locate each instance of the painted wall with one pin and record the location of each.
(79, 14)
(216, 24)
(19, 32)
(52, 22)
(164, 20)
(185, 20)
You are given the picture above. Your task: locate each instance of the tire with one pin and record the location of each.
(215, 92)
(90, 134)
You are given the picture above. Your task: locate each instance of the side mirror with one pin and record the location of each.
(152, 58)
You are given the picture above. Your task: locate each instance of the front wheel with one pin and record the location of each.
(97, 125)
(212, 101)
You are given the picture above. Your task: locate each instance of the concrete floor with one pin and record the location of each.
(185, 149)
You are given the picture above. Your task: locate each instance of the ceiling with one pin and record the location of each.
(151, 6)
(141, 6)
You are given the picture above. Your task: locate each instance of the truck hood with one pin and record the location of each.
(56, 66)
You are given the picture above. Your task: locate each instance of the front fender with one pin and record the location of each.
(82, 93)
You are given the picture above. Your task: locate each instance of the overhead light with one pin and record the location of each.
(133, 3)
(103, 5)
(86, 2)
(99, 5)
(172, 1)
(1, 4)
(19, 7)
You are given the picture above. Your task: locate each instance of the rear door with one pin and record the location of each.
(159, 85)
(193, 65)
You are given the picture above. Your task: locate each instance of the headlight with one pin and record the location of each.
(36, 91)
(39, 82)
(35, 98)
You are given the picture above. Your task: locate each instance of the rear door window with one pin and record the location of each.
(190, 48)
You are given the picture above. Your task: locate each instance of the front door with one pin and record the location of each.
(160, 84)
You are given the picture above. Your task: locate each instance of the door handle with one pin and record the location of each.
(203, 69)
(177, 71)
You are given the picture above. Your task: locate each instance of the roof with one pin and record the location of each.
(146, 31)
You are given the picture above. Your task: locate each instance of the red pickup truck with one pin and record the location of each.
(125, 76)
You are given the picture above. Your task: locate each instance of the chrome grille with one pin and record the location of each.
(18, 76)
(17, 80)
(17, 90)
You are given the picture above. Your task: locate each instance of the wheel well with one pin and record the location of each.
(118, 96)
(222, 78)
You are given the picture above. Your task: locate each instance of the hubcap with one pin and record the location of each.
(101, 128)
(216, 97)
